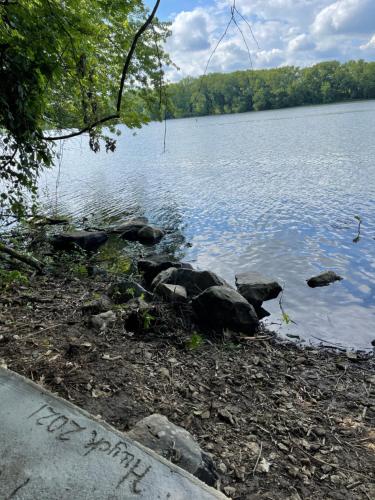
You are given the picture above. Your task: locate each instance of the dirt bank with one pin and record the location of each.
(280, 421)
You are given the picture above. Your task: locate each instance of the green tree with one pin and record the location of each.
(77, 64)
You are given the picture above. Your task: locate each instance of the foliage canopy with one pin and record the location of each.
(60, 67)
(256, 90)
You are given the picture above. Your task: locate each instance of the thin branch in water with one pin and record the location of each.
(285, 315)
(358, 237)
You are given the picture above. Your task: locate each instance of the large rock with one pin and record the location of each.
(89, 241)
(221, 307)
(149, 235)
(150, 268)
(257, 288)
(175, 444)
(324, 279)
(171, 293)
(195, 282)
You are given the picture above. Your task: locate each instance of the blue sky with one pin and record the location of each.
(298, 32)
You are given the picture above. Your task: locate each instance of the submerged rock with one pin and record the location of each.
(221, 307)
(324, 279)
(257, 288)
(150, 268)
(172, 293)
(195, 282)
(135, 223)
(89, 241)
(140, 230)
(175, 444)
(50, 221)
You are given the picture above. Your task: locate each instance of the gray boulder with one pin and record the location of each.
(150, 268)
(257, 288)
(324, 279)
(171, 293)
(175, 444)
(221, 307)
(195, 282)
(149, 235)
(89, 241)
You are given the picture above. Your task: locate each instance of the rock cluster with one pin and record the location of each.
(215, 303)
(133, 230)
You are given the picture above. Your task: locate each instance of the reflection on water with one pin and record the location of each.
(275, 191)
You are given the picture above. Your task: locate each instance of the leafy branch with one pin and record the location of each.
(124, 75)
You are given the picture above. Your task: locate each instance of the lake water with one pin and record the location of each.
(273, 191)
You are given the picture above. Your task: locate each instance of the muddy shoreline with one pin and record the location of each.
(280, 421)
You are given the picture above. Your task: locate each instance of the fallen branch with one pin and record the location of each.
(26, 259)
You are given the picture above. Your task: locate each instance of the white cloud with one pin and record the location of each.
(301, 43)
(345, 16)
(369, 45)
(298, 32)
(190, 31)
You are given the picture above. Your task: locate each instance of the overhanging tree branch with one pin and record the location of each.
(124, 74)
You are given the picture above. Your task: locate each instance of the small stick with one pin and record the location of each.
(259, 455)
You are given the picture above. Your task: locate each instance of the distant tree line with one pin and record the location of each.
(256, 90)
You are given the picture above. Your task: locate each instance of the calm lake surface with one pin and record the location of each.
(273, 191)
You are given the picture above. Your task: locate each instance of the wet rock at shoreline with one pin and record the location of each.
(221, 307)
(175, 444)
(193, 281)
(257, 288)
(324, 279)
(149, 235)
(139, 230)
(171, 293)
(150, 268)
(136, 223)
(127, 289)
(89, 241)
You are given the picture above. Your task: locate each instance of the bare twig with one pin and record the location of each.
(258, 458)
(232, 19)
